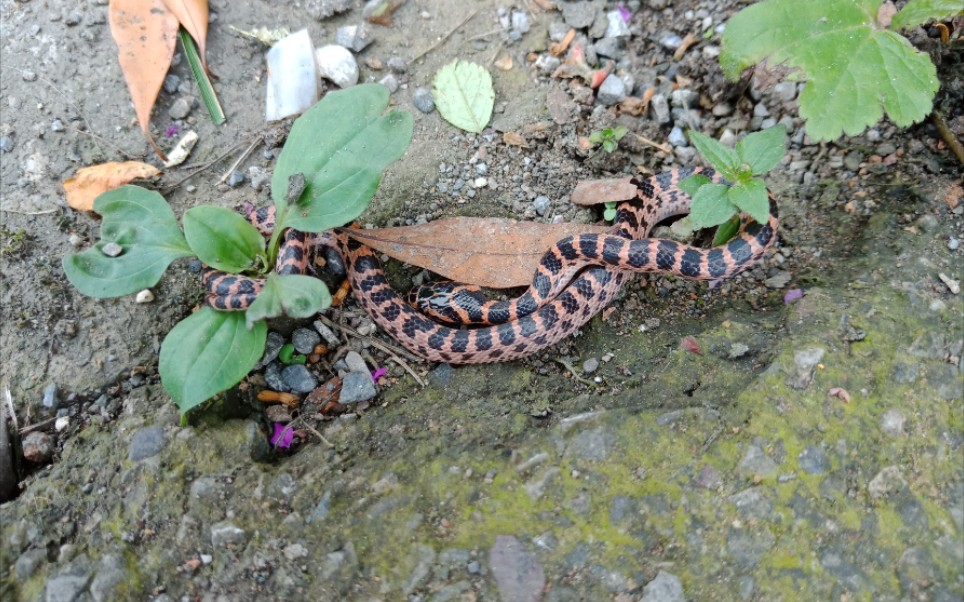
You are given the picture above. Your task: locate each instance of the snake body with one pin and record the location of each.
(576, 278)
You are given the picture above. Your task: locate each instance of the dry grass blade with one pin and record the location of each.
(145, 33)
(496, 253)
(193, 15)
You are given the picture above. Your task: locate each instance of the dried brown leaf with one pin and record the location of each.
(145, 33)
(514, 139)
(490, 252)
(505, 62)
(595, 192)
(90, 182)
(193, 15)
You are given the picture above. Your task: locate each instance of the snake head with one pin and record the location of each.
(448, 302)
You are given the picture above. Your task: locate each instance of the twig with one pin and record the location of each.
(407, 368)
(390, 349)
(37, 426)
(203, 167)
(446, 36)
(243, 156)
(314, 432)
(483, 35)
(948, 136)
(646, 140)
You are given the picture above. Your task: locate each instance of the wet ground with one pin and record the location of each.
(812, 449)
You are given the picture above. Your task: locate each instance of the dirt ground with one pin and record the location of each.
(866, 222)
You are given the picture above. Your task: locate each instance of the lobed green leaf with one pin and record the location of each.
(208, 352)
(142, 223)
(222, 239)
(855, 69)
(341, 145)
(463, 95)
(292, 295)
(918, 12)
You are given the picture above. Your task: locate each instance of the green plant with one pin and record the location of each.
(856, 64)
(337, 149)
(718, 204)
(609, 214)
(609, 137)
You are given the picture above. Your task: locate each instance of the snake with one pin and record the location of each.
(575, 279)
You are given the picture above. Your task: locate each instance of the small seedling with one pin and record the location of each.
(609, 137)
(339, 173)
(609, 214)
(718, 204)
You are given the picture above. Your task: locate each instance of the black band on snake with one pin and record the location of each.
(576, 278)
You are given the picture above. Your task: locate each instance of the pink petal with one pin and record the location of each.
(376, 374)
(792, 295)
(625, 14)
(282, 436)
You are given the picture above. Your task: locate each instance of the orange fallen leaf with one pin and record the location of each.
(595, 192)
(193, 16)
(90, 182)
(490, 252)
(561, 47)
(514, 139)
(504, 63)
(145, 33)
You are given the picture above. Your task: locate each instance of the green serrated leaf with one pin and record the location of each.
(142, 223)
(222, 239)
(693, 183)
(751, 198)
(341, 145)
(463, 95)
(918, 12)
(206, 353)
(710, 206)
(763, 150)
(723, 159)
(726, 231)
(854, 70)
(291, 295)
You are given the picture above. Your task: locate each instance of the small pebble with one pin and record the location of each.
(38, 447)
(72, 20)
(272, 376)
(6, 144)
(337, 64)
(57, 125)
(235, 179)
(171, 83)
(611, 91)
(541, 204)
(480, 182)
(305, 340)
(660, 107)
(145, 296)
(953, 244)
(299, 379)
(591, 365)
(357, 386)
(676, 137)
(112, 249)
(422, 99)
(892, 422)
(390, 82)
(397, 64)
(671, 42)
(180, 109)
(61, 423)
(51, 400)
(29, 76)
(354, 37)
(355, 362)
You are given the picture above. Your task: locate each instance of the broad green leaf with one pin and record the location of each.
(341, 145)
(222, 239)
(751, 198)
(711, 206)
(724, 159)
(855, 70)
(292, 295)
(693, 183)
(763, 150)
(726, 231)
(142, 223)
(464, 96)
(918, 12)
(208, 352)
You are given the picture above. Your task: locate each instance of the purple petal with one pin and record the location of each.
(792, 295)
(282, 436)
(376, 374)
(171, 130)
(625, 14)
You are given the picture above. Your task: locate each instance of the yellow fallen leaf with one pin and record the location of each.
(91, 181)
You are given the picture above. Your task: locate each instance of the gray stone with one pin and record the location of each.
(298, 378)
(541, 204)
(677, 137)
(111, 574)
(272, 347)
(756, 463)
(579, 14)
(813, 460)
(357, 386)
(607, 47)
(591, 365)
(746, 546)
(892, 422)
(235, 179)
(28, 563)
(779, 280)
(660, 107)
(38, 447)
(422, 99)
(321, 510)
(354, 37)
(422, 570)
(520, 21)
(752, 503)
(616, 26)
(671, 42)
(180, 109)
(57, 125)
(337, 64)
(171, 83)
(147, 442)
(952, 243)
(665, 587)
(226, 533)
(258, 177)
(272, 375)
(6, 144)
(397, 64)
(517, 572)
(51, 401)
(709, 478)
(916, 572)
(785, 91)
(591, 444)
(805, 361)
(611, 91)
(304, 340)
(390, 81)
(355, 362)
(886, 483)
(68, 585)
